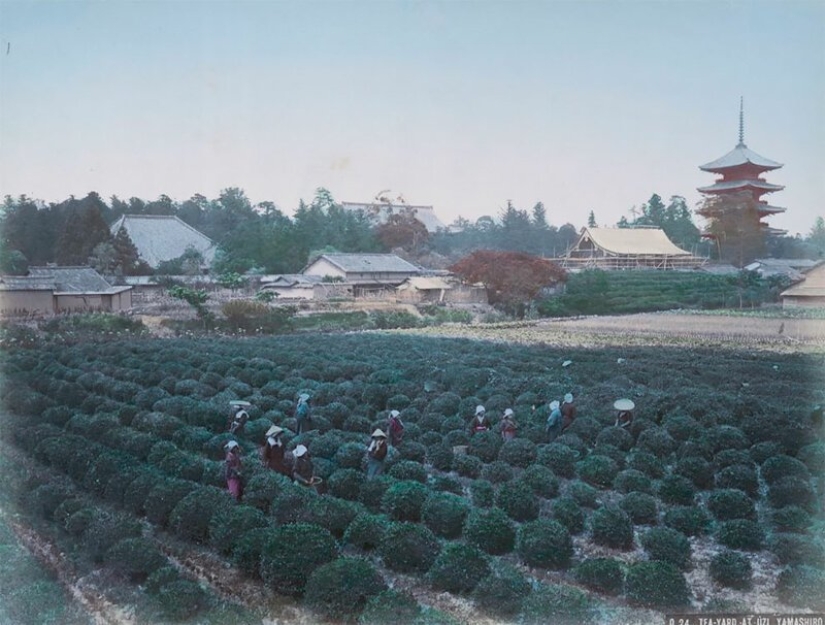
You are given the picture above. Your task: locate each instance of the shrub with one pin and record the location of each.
(697, 470)
(467, 466)
(599, 471)
(247, 549)
(372, 492)
(604, 575)
(631, 480)
(641, 508)
(485, 446)
(518, 452)
(446, 483)
(764, 450)
(350, 455)
(458, 568)
(690, 520)
(722, 437)
(191, 517)
(163, 498)
(678, 490)
(390, 606)
(292, 553)
(410, 450)
(780, 467)
(731, 569)
(586, 429)
(681, 428)
(289, 505)
(797, 549)
(490, 530)
(813, 457)
(330, 513)
(409, 470)
(105, 529)
(647, 463)
(615, 436)
(441, 457)
(541, 480)
(409, 548)
(366, 531)
(497, 472)
(568, 512)
(263, 487)
(444, 514)
(340, 589)
(612, 527)
(346, 484)
(741, 534)
(791, 519)
(403, 501)
(557, 603)
(518, 501)
(560, 458)
(483, 493)
(135, 495)
(730, 504)
(584, 494)
(802, 587)
(657, 441)
(656, 585)
(792, 491)
(667, 545)
(227, 528)
(502, 592)
(136, 558)
(545, 544)
(739, 476)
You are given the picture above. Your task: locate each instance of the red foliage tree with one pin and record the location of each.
(513, 279)
(402, 230)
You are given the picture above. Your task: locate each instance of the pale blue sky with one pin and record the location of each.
(462, 105)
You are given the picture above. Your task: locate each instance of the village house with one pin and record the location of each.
(51, 290)
(366, 274)
(808, 292)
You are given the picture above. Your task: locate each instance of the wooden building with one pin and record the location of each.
(627, 248)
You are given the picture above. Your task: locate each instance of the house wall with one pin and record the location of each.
(26, 302)
(322, 267)
(121, 301)
(459, 294)
(80, 302)
(791, 301)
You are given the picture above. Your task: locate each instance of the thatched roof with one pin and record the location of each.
(629, 241)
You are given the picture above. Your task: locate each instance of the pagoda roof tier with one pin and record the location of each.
(738, 156)
(762, 208)
(741, 185)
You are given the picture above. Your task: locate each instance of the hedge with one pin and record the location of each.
(292, 553)
(604, 575)
(136, 558)
(545, 544)
(225, 530)
(490, 529)
(458, 568)
(656, 585)
(340, 589)
(409, 548)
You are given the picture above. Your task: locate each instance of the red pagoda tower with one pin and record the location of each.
(740, 171)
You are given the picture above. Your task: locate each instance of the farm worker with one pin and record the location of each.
(624, 412)
(302, 469)
(480, 422)
(302, 413)
(508, 425)
(554, 421)
(273, 450)
(232, 470)
(395, 427)
(238, 420)
(568, 411)
(376, 453)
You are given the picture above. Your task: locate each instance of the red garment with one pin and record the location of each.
(508, 429)
(396, 431)
(568, 415)
(273, 458)
(234, 478)
(479, 426)
(377, 451)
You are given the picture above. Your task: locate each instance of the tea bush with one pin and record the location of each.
(557, 603)
(586, 428)
(690, 520)
(485, 446)
(366, 531)
(490, 529)
(802, 587)
(568, 512)
(518, 501)
(797, 549)
(444, 514)
(409, 470)
(741, 534)
(667, 545)
(791, 519)
(502, 592)
(647, 463)
(731, 569)
(331, 513)
(340, 589)
(191, 517)
(656, 585)
(182, 599)
(697, 470)
(541, 480)
(518, 452)
(409, 548)
(615, 436)
(813, 457)
(611, 526)
(467, 466)
(604, 575)
(739, 476)
(346, 484)
(599, 471)
(263, 487)
(441, 457)
(446, 483)
(390, 606)
(631, 480)
(292, 553)
(730, 503)
(779, 467)
(226, 529)
(657, 441)
(764, 450)
(584, 494)
(790, 491)
(403, 500)
(640, 507)
(544, 544)
(458, 568)
(560, 458)
(136, 558)
(350, 455)
(483, 493)
(372, 492)
(497, 472)
(678, 490)
(722, 437)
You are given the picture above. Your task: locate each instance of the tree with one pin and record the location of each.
(403, 230)
(513, 279)
(83, 230)
(195, 298)
(733, 223)
(816, 238)
(591, 220)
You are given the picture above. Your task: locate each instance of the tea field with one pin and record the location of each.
(711, 501)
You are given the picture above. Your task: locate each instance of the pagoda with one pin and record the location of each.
(740, 171)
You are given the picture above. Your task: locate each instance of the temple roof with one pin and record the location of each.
(739, 185)
(738, 156)
(633, 241)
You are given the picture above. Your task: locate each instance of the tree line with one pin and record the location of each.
(260, 237)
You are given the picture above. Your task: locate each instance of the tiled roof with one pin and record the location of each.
(370, 263)
(421, 283)
(732, 185)
(632, 241)
(740, 155)
(424, 214)
(60, 280)
(160, 238)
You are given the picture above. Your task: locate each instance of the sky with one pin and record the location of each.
(461, 105)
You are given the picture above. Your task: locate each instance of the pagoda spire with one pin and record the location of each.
(742, 122)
